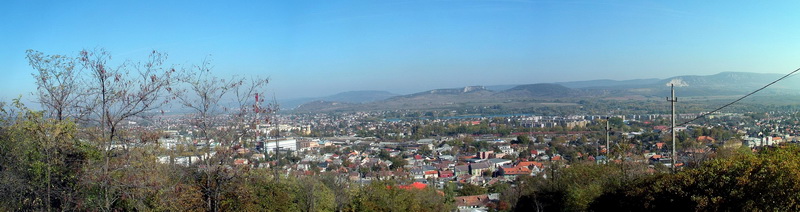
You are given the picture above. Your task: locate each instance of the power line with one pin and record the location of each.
(741, 98)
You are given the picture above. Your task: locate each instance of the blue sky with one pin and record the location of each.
(319, 48)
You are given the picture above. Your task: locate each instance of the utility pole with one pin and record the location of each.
(608, 139)
(277, 135)
(258, 122)
(672, 101)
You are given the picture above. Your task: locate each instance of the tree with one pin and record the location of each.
(386, 196)
(498, 188)
(58, 85)
(539, 139)
(315, 196)
(40, 161)
(743, 181)
(558, 141)
(470, 189)
(397, 162)
(150, 185)
(425, 150)
(204, 93)
(342, 189)
(273, 195)
(384, 154)
(116, 94)
(570, 189)
(616, 122)
(523, 139)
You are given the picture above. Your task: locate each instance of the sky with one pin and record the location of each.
(320, 48)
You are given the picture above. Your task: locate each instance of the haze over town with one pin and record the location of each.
(319, 48)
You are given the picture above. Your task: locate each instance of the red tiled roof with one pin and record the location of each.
(517, 170)
(695, 150)
(705, 139)
(530, 163)
(240, 161)
(470, 201)
(415, 185)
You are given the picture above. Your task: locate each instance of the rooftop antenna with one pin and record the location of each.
(672, 101)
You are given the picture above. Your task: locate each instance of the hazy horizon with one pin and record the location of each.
(320, 48)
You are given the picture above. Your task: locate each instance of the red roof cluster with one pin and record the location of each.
(415, 185)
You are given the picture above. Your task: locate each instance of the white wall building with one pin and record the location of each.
(288, 144)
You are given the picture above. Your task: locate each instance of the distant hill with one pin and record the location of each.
(734, 83)
(437, 98)
(359, 96)
(451, 98)
(320, 106)
(541, 90)
(725, 84)
(500, 87)
(438, 93)
(608, 83)
(344, 97)
(721, 84)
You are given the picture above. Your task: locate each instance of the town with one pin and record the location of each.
(484, 154)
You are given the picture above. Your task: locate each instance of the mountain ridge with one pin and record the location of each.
(720, 84)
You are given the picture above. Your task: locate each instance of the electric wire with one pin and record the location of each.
(741, 98)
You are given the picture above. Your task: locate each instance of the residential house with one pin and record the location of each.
(303, 145)
(429, 142)
(477, 169)
(444, 165)
(353, 176)
(418, 173)
(534, 166)
(443, 148)
(446, 174)
(385, 175)
(461, 170)
(513, 172)
(446, 157)
(472, 202)
(507, 149)
(498, 162)
(431, 174)
(485, 154)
